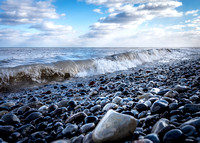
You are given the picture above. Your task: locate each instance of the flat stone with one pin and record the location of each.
(114, 127)
(159, 106)
(109, 106)
(160, 125)
(194, 122)
(180, 88)
(95, 108)
(173, 136)
(117, 100)
(188, 130)
(10, 119)
(78, 117)
(33, 116)
(6, 131)
(192, 108)
(153, 137)
(70, 130)
(87, 127)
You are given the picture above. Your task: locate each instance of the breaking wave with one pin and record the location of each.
(62, 70)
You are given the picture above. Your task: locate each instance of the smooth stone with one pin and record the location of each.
(52, 108)
(33, 116)
(154, 90)
(160, 125)
(173, 136)
(6, 131)
(10, 119)
(171, 94)
(153, 137)
(143, 141)
(43, 109)
(78, 139)
(109, 106)
(159, 106)
(180, 88)
(62, 141)
(25, 129)
(7, 104)
(3, 112)
(63, 103)
(194, 98)
(87, 127)
(163, 92)
(117, 100)
(35, 104)
(194, 122)
(70, 130)
(192, 108)
(173, 106)
(114, 127)
(78, 117)
(188, 130)
(91, 119)
(95, 108)
(141, 107)
(88, 138)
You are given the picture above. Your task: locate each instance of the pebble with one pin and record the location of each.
(5, 131)
(10, 119)
(109, 106)
(70, 130)
(113, 127)
(87, 127)
(188, 130)
(78, 117)
(192, 108)
(159, 106)
(194, 122)
(117, 100)
(180, 88)
(173, 136)
(160, 125)
(33, 116)
(153, 137)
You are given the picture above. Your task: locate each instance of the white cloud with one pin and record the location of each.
(26, 12)
(98, 11)
(192, 12)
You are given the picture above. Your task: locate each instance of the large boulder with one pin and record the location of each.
(114, 127)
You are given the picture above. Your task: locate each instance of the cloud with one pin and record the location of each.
(98, 11)
(127, 15)
(192, 12)
(26, 12)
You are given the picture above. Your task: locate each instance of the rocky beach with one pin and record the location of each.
(158, 103)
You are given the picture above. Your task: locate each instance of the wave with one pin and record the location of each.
(62, 70)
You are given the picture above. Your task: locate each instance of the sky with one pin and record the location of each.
(99, 23)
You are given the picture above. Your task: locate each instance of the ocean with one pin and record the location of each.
(31, 66)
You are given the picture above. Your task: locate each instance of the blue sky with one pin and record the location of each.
(100, 23)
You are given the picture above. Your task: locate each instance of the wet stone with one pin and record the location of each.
(110, 106)
(174, 136)
(95, 108)
(160, 125)
(159, 106)
(153, 137)
(78, 139)
(188, 130)
(78, 117)
(114, 127)
(192, 108)
(33, 116)
(10, 119)
(70, 130)
(91, 119)
(141, 107)
(87, 127)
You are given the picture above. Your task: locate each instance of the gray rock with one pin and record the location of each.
(180, 88)
(62, 141)
(95, 108)
(188, 130)
(10, 119)
(87, 127)
(70, 130)
(114, 127)
(6, 131)
(78, 117)
(117, 100)
(33, 116)
(78, 139)
(159, 106)
(173, 136)
(88, 138)
(194, 122)
(153, 137)
(109, 106)
(63, 103)
(160, 125)
(192, 108)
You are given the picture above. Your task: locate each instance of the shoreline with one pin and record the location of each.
(137, 91)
